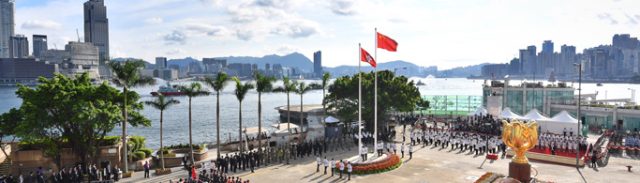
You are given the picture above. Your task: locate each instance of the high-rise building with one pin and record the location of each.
(625, 41)
(7, 26)
(19, 46)
(96, 26)
(547, 46)
(77, 57)
(39, 45)
(96, 31)
(514, 66)
(528, 60)
(24, 70)
(546, 62)
(317, 63)
(214, 65)
(567, 59)
(161, 62)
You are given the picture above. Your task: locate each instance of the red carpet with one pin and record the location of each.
(558, 152)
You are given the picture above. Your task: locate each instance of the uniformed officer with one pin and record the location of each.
(318, 161)
(410, 152)
(402, 147)
(333, 166)
(349, 169)
(326, 164)
(341, 164)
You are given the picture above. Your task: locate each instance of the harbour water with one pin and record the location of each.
(203, 108)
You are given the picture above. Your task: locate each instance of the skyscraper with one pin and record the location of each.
(528, 60)
(547, 46)
(7, 26)
(19, 47)
(546, 62)
(96, 26)
(96, 31)
(39, 45)
(317, 63)
(161, 62)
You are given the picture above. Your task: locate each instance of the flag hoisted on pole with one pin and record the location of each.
(375, 96)
(364, 57)
(360, 148)
(384, 42)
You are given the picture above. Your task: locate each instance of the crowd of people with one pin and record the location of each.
(73, 174)
(483, 124)
(472, 141)
(562, 142)
(221, 169)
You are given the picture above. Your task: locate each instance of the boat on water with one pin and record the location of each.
(168, 90)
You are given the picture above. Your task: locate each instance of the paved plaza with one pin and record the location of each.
(429, 164)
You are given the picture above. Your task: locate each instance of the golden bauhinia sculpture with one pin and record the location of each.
(520, 137)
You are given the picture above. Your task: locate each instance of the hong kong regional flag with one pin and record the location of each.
(386, 43)
(366, 57)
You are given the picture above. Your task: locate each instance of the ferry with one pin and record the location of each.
(168, 90)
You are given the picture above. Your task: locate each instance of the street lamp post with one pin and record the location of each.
(579, 65)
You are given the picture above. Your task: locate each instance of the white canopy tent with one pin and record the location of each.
(560, 123)
(535, 115)
(281, 128)
(508, 114)
(481, 111)
(331, 119)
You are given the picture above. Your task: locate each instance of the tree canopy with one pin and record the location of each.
(71, 112)
(394, 92)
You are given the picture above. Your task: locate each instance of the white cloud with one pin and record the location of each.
(244, 35)
(286, 49)
(296, 29)
(343, 7)
(175, 37)
(154, 20)
(176, 51)
(258, 18)
(41, 24)
(608, 18)
(207, 29)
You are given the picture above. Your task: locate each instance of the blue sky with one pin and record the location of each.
(430, 32)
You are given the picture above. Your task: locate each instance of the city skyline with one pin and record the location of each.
(171, 29)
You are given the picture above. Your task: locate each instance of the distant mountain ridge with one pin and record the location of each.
(300, 61)
(291, 60)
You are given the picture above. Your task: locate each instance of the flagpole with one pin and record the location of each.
(375, 94)
(359, 100)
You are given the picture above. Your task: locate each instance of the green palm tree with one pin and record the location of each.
(301, 90)
(162, 103)
(127, 75)
(325, 83)
(191, 91)
(287, 87)
(217, 84)
(263, 84)
(241, 91)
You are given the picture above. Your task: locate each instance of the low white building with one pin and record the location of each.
(311, 122)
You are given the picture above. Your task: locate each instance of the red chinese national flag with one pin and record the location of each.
(366, 57)
(386, 43)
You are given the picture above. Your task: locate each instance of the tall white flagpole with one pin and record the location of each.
(359, 100)
(375, 94)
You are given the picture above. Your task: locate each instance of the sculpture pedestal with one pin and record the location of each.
(519, 171)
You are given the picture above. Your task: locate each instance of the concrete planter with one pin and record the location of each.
(177, 161)
(163, 172)
(139, 165)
